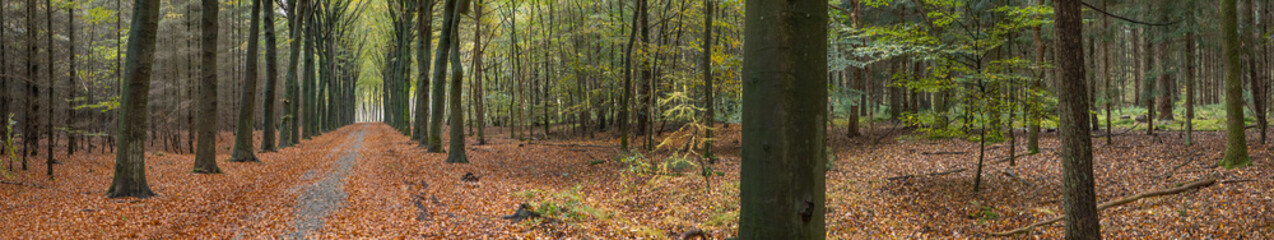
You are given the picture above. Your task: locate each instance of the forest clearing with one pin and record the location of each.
(636, 119)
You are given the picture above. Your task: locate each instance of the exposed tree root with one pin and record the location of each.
(1116, 202)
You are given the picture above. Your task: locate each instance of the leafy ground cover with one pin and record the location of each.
(586, 188)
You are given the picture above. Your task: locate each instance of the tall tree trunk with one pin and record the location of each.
(784, 155)
(6, 96)
(130, 160)
(271, 79)
(1154, 63)
(709, 96)
(1253, 59)
(1079, 198)
(439, 74)
(1190, 82)
(1236, 141)
(206, 150)
(424, 27)
(478, 74)
(70, 82)
(29, 141)
(290, 131)
(456, 153)
(48, 119)
(1034, 111)
(243, 150)
(1106, 75)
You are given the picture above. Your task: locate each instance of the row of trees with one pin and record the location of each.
(115, 87)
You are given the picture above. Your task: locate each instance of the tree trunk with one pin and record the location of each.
(1236, 141)
(456, 153)
(130, 160)
(48, 119)
(206, 150)
(439, 74)
(1190, 83)
(271, 80)
(70, 82)
(243, 150)
(1079, 198)
(709, 97)
(784, 155)
(424, 28)
(478, 74)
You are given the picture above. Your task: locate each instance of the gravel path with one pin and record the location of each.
(328, 194)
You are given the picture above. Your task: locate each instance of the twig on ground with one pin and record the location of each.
(25, 184)
(926, 174)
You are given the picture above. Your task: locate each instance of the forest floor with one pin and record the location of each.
(368, 181)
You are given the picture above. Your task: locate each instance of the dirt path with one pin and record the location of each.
(322, 198)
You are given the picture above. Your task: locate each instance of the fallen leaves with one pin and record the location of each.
(397, 190)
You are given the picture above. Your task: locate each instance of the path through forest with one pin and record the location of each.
(328, 195)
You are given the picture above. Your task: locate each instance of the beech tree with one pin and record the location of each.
(784, 104)
(243, 150)
(130, 159)
(206, 150)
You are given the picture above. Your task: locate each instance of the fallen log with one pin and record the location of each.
(1116, 202)
(941, 153)
(25, 184)
(926, 174)
(576, 145)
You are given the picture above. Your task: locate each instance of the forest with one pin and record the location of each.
(636, 119)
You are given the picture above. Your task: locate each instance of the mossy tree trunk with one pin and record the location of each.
(1236, 140)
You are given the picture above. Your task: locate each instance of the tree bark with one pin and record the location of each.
(1079, 197)
(271, 80)
(206, 149)
(456, 153)
(1236, 142)
(130, 160)
(243, 150)
(424, 28)
(439, 74)
(784, 154)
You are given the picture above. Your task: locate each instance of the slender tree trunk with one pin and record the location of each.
(130, 160)
(784, 154)
(1189, 42)
(1033, 121)
(48, 119)
(70, 82)
(243, 150)
(478, 74)
(709, 96)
